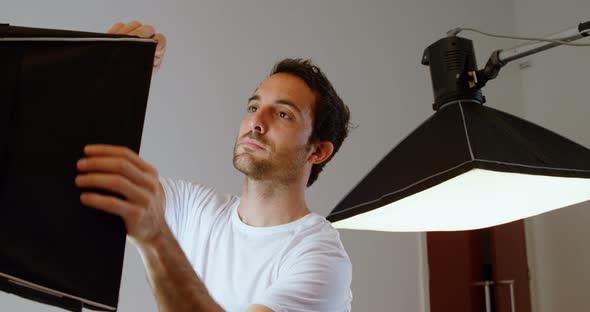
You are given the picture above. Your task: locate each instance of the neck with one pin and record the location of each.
(267, 203)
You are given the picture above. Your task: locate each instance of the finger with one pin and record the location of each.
(144, 31)
(120, 166)
(115, 28)
(160, 53)
(157, 63)
(158, 59)
(119, 151)
(106, 203)
(131, 26)
(162, 41)
(114, 183)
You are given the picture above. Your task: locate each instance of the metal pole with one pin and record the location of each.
(511, 287)
(523, 50)
(488, 299)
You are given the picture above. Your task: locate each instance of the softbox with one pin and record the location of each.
(468, 166)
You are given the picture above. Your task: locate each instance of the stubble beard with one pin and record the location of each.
(283, 167)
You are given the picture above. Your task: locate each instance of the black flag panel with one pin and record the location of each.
(61, 90)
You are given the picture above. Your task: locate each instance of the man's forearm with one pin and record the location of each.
(174, 282)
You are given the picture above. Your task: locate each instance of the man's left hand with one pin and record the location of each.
(136, 28)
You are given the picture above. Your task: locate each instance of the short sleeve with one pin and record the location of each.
(188, 208)
(317, 278)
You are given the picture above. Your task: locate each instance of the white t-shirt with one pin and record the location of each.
(298, 266)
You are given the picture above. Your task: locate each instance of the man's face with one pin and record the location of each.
(272, 143)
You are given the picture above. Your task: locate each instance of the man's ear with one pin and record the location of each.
(321, 152)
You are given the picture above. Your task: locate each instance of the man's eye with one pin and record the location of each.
(284, 115)
(252, 109)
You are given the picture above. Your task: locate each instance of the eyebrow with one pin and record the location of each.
(256, 97)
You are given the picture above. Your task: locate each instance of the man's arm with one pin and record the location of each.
(117, 169)
(174, 282)
(120, 170)
(258, 308)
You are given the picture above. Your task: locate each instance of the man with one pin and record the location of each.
(264, 251)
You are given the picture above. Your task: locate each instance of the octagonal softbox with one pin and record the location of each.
(61, 90)
(467, 167)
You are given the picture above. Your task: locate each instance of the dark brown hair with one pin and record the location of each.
(331, 120)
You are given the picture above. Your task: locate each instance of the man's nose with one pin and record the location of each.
(258, 122)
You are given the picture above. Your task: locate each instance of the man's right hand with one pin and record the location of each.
(136, 28)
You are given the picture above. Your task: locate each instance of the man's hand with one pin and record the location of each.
(120, 170)
(136, 28)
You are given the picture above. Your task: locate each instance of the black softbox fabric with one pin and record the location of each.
(61, 90)
(458, 138)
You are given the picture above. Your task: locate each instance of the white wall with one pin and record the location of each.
(220, 50)
(555, 91)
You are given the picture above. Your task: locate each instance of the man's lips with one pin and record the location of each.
(253, 144)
